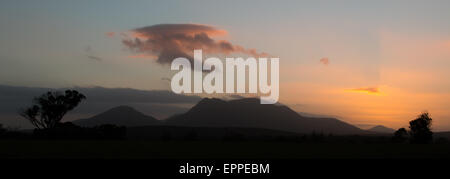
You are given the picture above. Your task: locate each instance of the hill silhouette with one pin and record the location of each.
(121, 116)
(381, 129)
(249, 112)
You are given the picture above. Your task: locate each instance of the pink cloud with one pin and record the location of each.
(169, 41)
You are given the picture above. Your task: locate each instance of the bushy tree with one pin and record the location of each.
(48, 109)
(420, 129)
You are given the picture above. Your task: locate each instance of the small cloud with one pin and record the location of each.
(324, 61)
(90, 54)
(94, 58)
(110, 34)
(370, 90)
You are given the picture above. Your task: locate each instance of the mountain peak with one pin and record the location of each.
(120, 115)
(248, 112)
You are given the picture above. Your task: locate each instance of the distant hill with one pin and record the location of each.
(122, 115)
(250, 113)
(381, 129)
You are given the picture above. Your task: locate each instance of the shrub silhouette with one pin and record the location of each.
(420, 129)
(48, 109)
(400, 135)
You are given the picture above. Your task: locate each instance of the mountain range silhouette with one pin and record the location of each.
(242, 113)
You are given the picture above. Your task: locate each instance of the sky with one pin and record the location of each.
(367, 62)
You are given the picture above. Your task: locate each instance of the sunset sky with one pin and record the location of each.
(365, 62)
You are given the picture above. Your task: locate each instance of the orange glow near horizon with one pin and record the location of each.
(393, 108)
(408, 79)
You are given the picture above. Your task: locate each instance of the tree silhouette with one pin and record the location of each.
(420, 129)
(400, 135)
(48, 109)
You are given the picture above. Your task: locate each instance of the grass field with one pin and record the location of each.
(132, 149)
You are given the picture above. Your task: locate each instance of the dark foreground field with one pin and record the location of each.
(133, 149)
